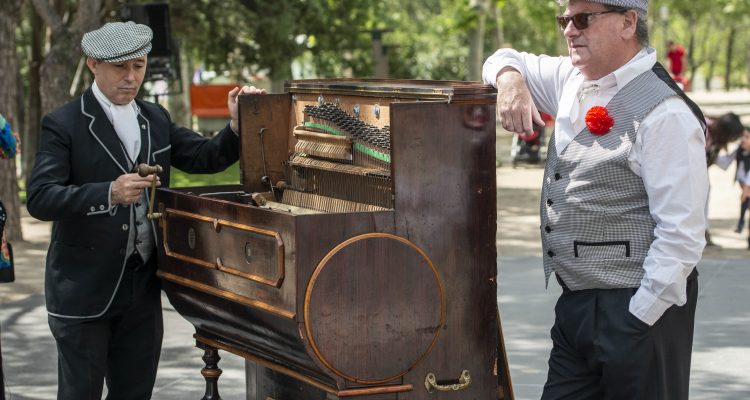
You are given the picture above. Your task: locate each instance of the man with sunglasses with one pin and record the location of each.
(623, 196)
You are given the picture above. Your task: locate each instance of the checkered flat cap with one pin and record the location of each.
(117, 41)
(641, 6)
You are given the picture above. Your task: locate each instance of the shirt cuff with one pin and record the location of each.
(490, 71)
(232, 129)
(647, 307)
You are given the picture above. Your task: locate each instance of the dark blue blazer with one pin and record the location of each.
(79, 157)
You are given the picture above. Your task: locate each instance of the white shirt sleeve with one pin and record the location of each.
(545, 76)
(669, 156)
(724, 160)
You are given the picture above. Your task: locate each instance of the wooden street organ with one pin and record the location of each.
(357, 258)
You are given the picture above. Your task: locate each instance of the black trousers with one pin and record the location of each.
(602, 352)
(122, 347)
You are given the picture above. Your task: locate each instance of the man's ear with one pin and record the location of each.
(629, 24)
(91, 63)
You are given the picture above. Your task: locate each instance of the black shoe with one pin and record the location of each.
(740, 224)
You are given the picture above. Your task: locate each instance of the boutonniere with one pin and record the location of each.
(598, 120)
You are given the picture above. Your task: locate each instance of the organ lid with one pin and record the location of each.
(453, 91)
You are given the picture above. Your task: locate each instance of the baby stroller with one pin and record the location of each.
(527, 147)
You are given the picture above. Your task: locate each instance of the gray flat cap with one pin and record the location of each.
(641, 6)
(118, 41)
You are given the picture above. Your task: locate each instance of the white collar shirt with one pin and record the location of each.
(124, 119)
(668, 154)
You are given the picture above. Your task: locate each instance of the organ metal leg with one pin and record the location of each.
(211, 372)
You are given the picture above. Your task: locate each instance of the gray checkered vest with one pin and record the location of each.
(596, 226)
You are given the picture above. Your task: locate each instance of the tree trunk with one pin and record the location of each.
(498, 38)
(34, 105)
(728, 68)
(476, 50)
(9, 19)
(179, 107)
(59, 65)
(692, 64)
(709, 76)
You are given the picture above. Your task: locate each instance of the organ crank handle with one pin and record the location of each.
(146, 170)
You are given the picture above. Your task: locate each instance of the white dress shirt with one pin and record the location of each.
(124, 118)
(669, 155)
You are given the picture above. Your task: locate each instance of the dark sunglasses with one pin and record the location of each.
(580, 20)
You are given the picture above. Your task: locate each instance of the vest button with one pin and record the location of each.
(551, 253)
(547, 229)
(549, 202)
(558, 176)
(122, 251)
(124, 227)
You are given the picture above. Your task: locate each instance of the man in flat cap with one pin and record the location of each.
(102, 294)
(623, 195)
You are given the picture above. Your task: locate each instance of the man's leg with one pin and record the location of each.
(571, 375)
(136, 341)
(673, 336)
(640, 361)
(743, 210)
(81, 357)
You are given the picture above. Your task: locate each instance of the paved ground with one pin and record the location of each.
(721, 358)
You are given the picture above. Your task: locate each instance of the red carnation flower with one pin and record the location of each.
(598, 120)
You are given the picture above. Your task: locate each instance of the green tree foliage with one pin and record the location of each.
(425, 39)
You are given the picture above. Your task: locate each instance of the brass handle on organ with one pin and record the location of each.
(145, 170)
(431, 383)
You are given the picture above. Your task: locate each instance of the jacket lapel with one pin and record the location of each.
(145, 129)
(102, 130)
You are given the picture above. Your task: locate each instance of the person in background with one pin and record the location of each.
(741, 158)
(622, 207)
(742, 176)
(6, 264)
(721, 131)
(8, 150)
(676, 54)
(102, 294)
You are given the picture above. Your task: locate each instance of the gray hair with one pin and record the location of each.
(641, 27)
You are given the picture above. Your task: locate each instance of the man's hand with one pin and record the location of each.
(516, 111)
(232, 102)
(128, 188)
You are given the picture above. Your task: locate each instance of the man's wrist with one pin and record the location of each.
(504, 70)
(234, 125)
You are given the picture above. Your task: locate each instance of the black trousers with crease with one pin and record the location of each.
(603, 352)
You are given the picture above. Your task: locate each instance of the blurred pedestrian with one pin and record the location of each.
(102, 294)
(721, 130)
(8, 149)
(743, 178)
(623, 197)
(741, 158)
(675, 54)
